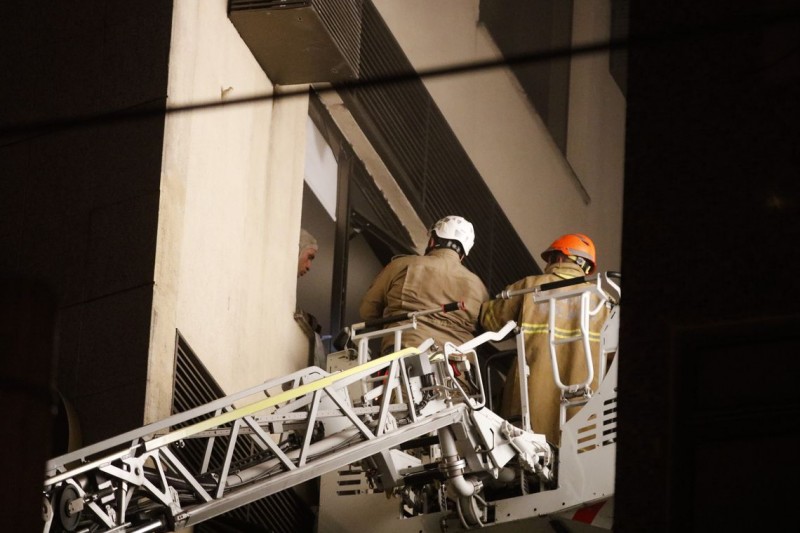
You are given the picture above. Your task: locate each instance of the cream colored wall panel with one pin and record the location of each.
(229, 222)
(596, 148)
(505, 137)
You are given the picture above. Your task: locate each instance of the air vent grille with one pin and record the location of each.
(281, 512)
(422, 152)
(301, 41)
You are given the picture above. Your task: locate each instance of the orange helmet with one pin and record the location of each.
(578, 247)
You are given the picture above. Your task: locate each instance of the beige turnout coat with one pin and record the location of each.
(418, 283)
(532, 318)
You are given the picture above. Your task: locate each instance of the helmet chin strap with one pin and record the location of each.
(585, 265)
(447, 243)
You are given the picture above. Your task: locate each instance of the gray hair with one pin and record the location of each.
(307, 241)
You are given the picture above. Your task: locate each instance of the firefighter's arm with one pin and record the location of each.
(374, 300)
(495, 313)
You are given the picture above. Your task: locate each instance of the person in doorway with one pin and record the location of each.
(417, 283)
(569, 256)
(308, 248)
(307, 253)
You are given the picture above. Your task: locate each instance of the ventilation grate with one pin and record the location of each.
(601, 430)
(422, 152)
(301, 41)
(282, 512)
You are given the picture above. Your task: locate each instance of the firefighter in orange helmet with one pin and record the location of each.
(569, 256)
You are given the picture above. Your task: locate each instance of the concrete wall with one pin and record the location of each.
(229, 217)
(505, 137)
(79, 193)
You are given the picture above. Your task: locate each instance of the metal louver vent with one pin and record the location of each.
(422, 152)
(301, 41)
(282, 512)
(601, 431)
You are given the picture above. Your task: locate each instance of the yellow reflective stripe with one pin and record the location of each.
(489, 319)
(560, 333)
(533, 328)
(290, 394)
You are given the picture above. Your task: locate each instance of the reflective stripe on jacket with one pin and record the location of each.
(532, 318)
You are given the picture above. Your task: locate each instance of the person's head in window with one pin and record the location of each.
(307, 252)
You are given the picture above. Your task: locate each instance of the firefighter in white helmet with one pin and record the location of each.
(415, 283)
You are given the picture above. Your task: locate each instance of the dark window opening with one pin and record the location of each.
(524, 27)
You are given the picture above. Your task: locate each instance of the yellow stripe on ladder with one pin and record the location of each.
(274, 400)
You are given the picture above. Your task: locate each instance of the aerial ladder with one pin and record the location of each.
(415, 426)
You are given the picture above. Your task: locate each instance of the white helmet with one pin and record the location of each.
(457, 229)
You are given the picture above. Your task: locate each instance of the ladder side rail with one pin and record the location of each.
(86, 467)
(132, 438)
(160, 490)
(293, 405)
(301, 453)
(231, 421)
(364, 336)
(337, 399)
(162, 493)
(326, 463)
(523, 371)
(295, 421)
(343, 382)
(410, 315)
(301, 379)
(281, 398)
(587, 348)
(601, 283)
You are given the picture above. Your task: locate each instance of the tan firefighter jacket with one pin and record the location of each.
(417, 283)
(543, 394)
